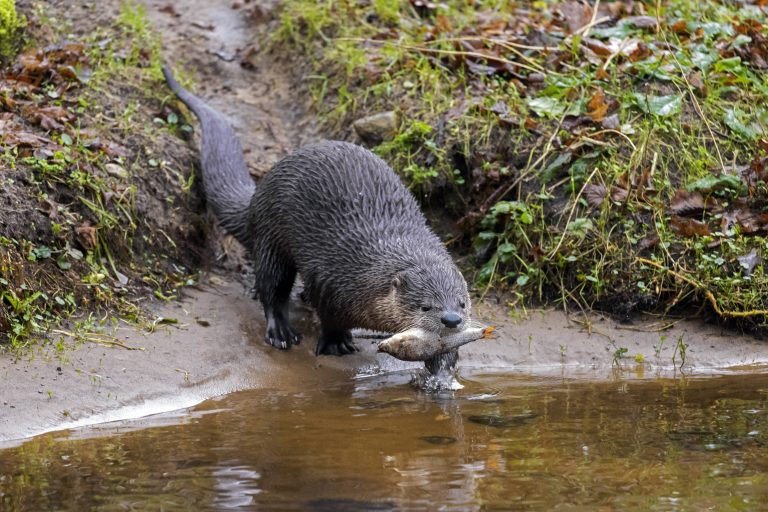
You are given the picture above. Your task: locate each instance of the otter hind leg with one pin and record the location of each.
(334, 341)
(274, 280)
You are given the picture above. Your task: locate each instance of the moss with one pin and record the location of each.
(10, 23)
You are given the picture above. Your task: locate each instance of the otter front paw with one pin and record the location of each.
(279, 333)
(336, 343)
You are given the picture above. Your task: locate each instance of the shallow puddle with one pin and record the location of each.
(505, 441)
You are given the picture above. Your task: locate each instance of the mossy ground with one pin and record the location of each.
(609, 156)
(95, 209)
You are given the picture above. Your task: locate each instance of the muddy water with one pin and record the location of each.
(505, 441)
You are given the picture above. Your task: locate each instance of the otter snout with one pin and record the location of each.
(450, 319)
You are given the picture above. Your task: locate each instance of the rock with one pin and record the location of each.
(118, 171)
(376, 128)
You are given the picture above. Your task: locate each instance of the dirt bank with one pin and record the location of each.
(217, 345)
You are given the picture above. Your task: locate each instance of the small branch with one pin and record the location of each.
(707, 293)
(94, 339)
(570, 215)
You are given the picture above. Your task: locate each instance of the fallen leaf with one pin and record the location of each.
(595, 194)
(659, 105)
(648, 242)
(642, 21)
(749, 261)
(619, 194)
(752, 222)
(86, 235)
(546, 106)
(597, 106)
(697, 82)
(687, 204)
(576, 15)
(598, 47)
(689, 228)
(611, 122)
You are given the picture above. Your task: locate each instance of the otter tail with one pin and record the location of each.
(226, 181)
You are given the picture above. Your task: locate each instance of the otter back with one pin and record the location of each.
(339, 215)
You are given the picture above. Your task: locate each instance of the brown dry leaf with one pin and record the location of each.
(640, 52)
(597, 106)
(595, 194)
(756, 51)
(49, 207)
(680, 27)
(644, 182)
(86, 235)
(752, 222)
(576, 15)
(599, 47)
(688, 228)
(50, 117)
(642, 21)
(619, 194)
(443, 24)
(56, 63)
(687, 204)
(697, 82)
(531, 124)
(648, 242)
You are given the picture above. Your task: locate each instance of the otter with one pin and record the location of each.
(339, 216)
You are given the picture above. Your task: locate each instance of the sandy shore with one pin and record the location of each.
(217, 347)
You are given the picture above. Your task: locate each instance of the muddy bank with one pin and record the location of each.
(216, 347)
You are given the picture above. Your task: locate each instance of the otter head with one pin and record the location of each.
(432, 295)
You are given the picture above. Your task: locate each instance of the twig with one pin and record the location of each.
(570, 215)
(593, 21)
(94, 339)
(458, 53)
(707, 293)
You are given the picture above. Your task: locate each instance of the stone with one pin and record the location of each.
(377, 127)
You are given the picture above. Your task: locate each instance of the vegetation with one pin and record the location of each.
(10, 23)
(610, 156)
(90, 212)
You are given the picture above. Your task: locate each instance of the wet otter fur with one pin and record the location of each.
(340, 217)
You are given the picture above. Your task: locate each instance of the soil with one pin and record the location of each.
(217, 346)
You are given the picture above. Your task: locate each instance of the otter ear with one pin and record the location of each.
(397, 280)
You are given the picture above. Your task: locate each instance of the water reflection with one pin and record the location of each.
(504, 442)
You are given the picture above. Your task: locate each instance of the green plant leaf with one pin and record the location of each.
(712, 183)
(546, 107)
(662, 106)
(733, 120)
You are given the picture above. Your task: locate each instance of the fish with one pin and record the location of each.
(417, 344)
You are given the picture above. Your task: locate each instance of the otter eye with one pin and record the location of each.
(425, 308)
(462, 305)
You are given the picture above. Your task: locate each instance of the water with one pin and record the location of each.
(503, 442)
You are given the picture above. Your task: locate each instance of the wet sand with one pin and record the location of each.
(217, 347)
